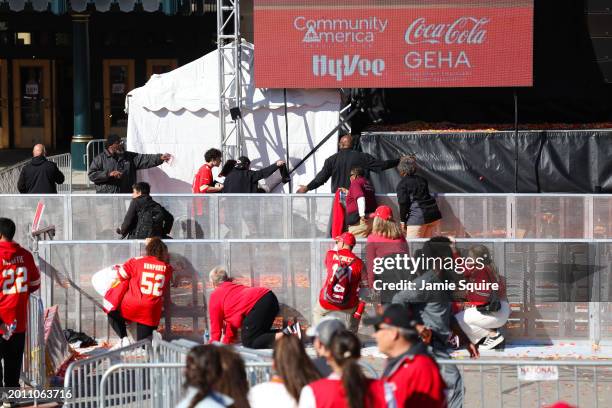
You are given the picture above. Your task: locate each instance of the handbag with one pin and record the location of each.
(494, 303)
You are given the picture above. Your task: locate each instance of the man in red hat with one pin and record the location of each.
(339, 296)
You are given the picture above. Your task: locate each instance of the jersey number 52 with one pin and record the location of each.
(152, 284)
(14, 281)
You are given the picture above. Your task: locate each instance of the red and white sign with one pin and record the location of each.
(393, 44)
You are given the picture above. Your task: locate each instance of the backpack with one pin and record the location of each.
(337, 288)
(153, 221)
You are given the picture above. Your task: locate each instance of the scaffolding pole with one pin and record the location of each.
(229, 45)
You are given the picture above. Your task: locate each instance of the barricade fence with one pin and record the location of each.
(488, 383)
(94, 147)
(10, 176)
(33, 369)
(306, 216)
(557, 289)
(83, 377)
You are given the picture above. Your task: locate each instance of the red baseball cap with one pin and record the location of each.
(347, 238)
(383, 212)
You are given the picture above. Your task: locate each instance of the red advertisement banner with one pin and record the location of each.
(393, 44)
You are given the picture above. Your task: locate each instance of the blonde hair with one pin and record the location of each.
(387, 228)
(218, 275)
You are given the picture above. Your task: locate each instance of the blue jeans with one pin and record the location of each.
(452, 377)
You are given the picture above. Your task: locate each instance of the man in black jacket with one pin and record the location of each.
(243, 180)
(114, 170)
(39, 176)
(339, 165)
(145, 218)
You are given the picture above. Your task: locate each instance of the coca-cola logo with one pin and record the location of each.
(464, 30)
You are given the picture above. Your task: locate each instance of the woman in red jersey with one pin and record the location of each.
(143, 284)
(347, 386)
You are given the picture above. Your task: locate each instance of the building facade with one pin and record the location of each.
(65, 68)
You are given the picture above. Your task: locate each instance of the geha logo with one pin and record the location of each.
(346, 66)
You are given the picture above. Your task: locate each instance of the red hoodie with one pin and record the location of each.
(18, 278)
(228, 306)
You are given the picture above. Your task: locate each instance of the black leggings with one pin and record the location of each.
(257, 330)
(11, 357)
(117, 322)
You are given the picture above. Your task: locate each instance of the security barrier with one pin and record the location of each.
(545, 306)
(306, 216)
(33, 370)
(83, 377)
(534, 383)
(488, 383)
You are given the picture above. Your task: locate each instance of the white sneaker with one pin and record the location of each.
(124, 342)
(491, 342)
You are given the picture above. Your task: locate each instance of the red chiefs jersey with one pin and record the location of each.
(202, 180)
(148, 282)
(18, 278)
(417, 382)
(329, 393)
(332, 261)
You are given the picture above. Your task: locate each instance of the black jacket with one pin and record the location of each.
(39, 177)
(339, 165)
(127, 163)
(245, 181)
(130, 221)
(417, 206)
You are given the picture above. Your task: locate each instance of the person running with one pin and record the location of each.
(140, 293)
(412, 372)
(419, 212)
(347, 386)
(233, 306)
(243, 180)
(294, 370)
(339, 295)
(203, 182)
(387, 239)
(202, 372)
(19, 277)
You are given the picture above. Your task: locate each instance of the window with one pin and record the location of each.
(24, 38)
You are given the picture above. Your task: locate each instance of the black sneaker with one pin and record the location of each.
(491, 342)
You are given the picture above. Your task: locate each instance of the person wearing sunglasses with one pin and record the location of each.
(412, 372)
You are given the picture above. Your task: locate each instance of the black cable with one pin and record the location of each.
(287, 138)
(516, 143)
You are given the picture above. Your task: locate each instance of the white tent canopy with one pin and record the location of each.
(177, 112)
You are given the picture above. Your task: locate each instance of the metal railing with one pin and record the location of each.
(10, 176)
(33, 369)
(488, 383)
(497, 383)
(294, 270)
(297, 216)
(83, 377)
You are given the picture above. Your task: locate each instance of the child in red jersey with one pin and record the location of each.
(142, 287)
(19, 277)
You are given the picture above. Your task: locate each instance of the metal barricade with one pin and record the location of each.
(10, 176)
(33, 371)
(157, 385)
(83, 377)
(533, 383)
(64, 163)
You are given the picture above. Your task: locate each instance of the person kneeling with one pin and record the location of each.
(233, 306)
(140, 293)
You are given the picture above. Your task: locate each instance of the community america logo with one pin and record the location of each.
(340, 30)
